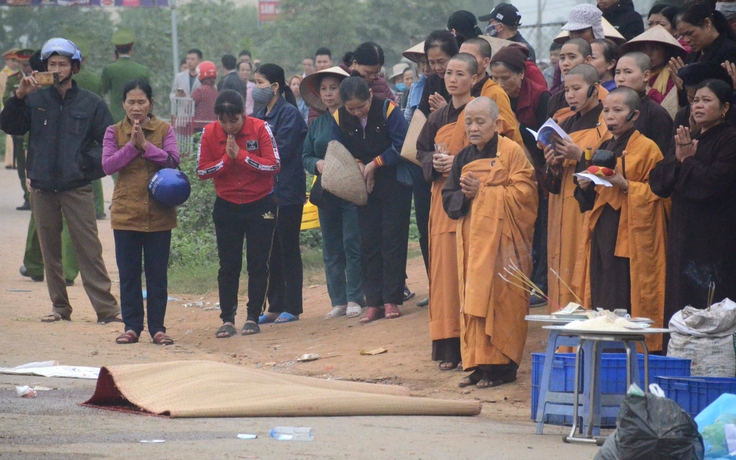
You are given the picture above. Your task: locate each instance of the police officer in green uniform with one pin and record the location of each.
(88, 80)
(33, 259)
(19, 147)
(116, 74)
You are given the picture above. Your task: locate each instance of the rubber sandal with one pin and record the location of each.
(160, 338)
(127, 337)
(286, 318)
(372, 314)
(54, 317)
(391, 311)
(228, 329)
(250, 327)
(472, 379)
(423, 303)
(265, 319)
(336, 312)
(408, 295)
(118, 318)
(353, 310)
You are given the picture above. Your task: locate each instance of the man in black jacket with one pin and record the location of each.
(622, 16)
(67, 125)
(231, 80)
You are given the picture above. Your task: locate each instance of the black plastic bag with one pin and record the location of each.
(652, 428)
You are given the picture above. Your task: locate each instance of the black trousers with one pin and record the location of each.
(286, 274)
(253, 223)
(384, 236)
(610, 276)
(152, 249)
(539, 244)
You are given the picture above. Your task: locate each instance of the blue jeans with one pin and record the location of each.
(151, 248)
(341, 250)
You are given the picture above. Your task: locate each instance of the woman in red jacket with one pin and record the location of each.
(239, 153)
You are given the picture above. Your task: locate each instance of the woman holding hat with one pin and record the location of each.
(373, 131)
(338, 218)
(657, 43)
(289, 129)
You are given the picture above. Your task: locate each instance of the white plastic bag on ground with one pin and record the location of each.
(707, 338)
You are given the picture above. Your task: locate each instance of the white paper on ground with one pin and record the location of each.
(52, 369)
(247, 436)
(597, 180)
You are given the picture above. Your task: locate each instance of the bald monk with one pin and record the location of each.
(485, 86)
(626, 234)
(633, 71)
(446, 127)
(574, 52)
(565, 222)
(492, 192)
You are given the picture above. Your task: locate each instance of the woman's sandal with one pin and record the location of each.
(162, 339)
(472, 379)
(126, 338)
(250, 327)
(227, 330)
(353, 310)
(372, 314)
(336, 312)
(448, 365)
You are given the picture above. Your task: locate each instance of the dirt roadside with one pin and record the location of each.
(53, 426)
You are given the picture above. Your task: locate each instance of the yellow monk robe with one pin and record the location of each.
(642, 232)
(565, 226)
(444, 309)
(566, 112)
(497, 230)
(510, 127)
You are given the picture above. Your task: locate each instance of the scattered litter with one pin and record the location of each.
(247, 436)
(152, 441)
(53, 369)
(193, 304)
(18, 290)
(308, 357)
(272, 363)
(25, 392)
(377, 351)
(145, 296)
(216, 307)
(42, 388)
(292, 433)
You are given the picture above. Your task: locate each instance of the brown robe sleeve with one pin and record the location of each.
(425, 145)
(453, 199)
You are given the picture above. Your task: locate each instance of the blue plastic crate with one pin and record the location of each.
(694, 394)
(613, 377)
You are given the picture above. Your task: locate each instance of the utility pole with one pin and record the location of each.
(174, 37)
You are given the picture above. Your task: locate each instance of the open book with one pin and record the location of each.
(548, 132)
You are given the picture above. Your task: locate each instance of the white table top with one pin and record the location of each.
(550, 319)
(631, 332)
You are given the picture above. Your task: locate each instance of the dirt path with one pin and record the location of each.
(23, 338)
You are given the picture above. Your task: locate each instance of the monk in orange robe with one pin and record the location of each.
(446, 129)
(626, 235)
(485, 86)
(492, 192)
(565, 221)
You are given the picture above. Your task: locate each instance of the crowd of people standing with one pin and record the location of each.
(648, 109)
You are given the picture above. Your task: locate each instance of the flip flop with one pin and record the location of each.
(265, 319)
(250, 328)
(286, 318)
(228, 329)
(117, 318)
(54, 317)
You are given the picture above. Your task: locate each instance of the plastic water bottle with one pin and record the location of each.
(292, 433)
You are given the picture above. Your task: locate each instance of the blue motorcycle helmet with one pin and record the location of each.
(170, 187)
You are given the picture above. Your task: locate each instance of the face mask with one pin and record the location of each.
(491, 30)
(262, 95)
(401, 87)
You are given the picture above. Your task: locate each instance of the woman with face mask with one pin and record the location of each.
(289, 129)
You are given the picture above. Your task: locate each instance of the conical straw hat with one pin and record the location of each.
(409, 149)
(656, 34)
(308, 87)
(609, 32)
(415, 53)
(341, 175)
(496, 43)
